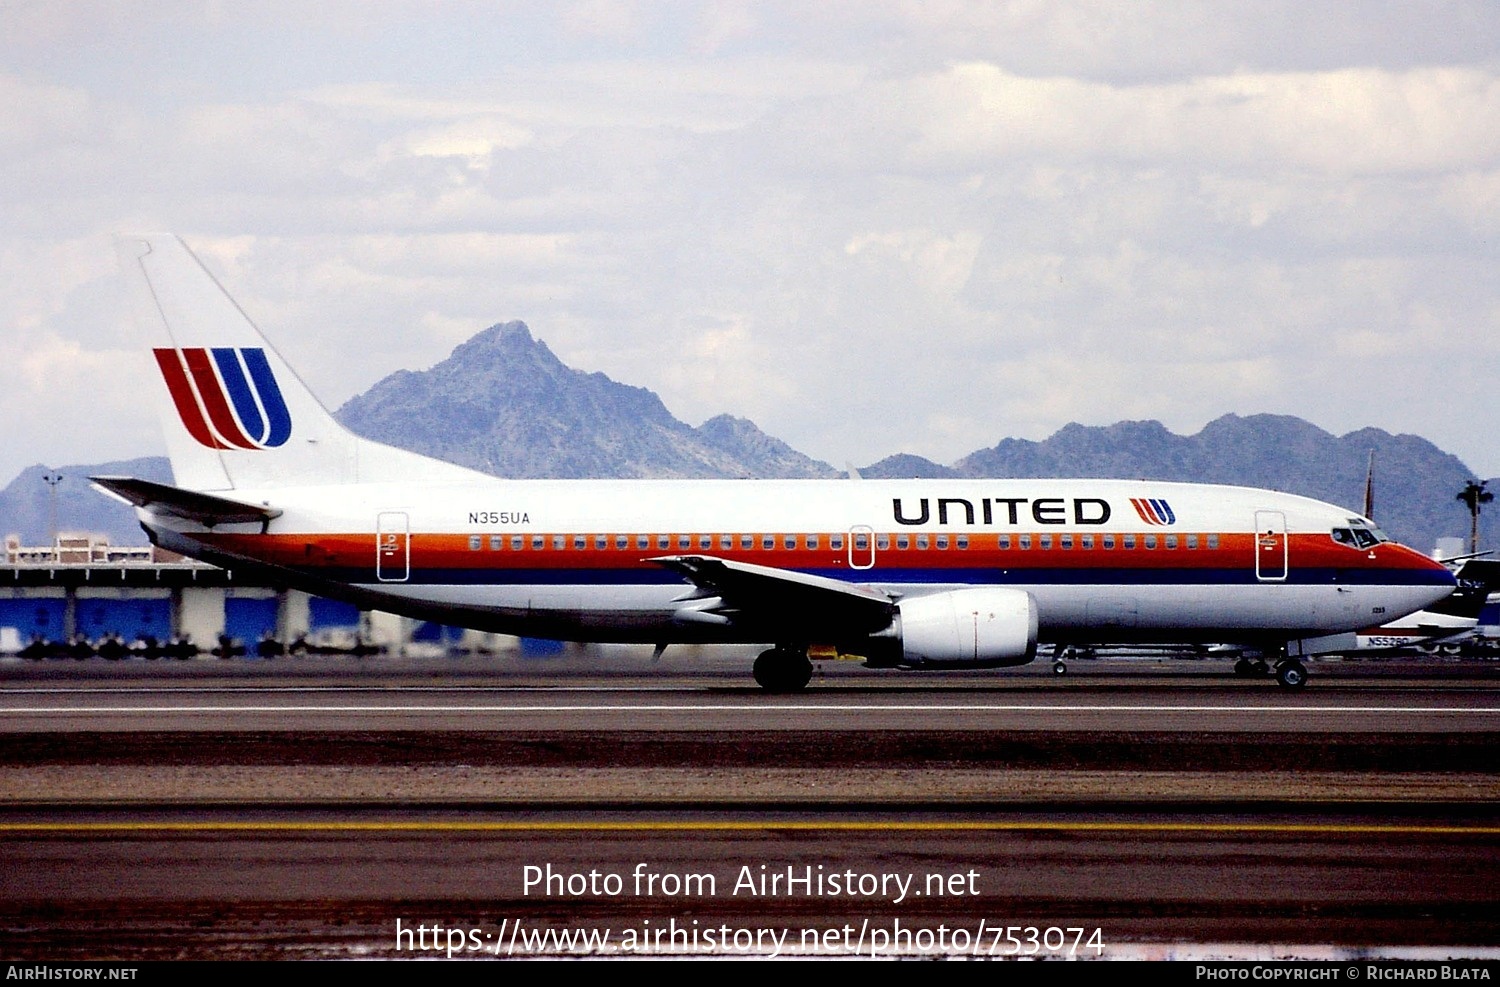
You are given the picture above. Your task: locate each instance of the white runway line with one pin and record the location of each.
(743, 708)
(253, 689)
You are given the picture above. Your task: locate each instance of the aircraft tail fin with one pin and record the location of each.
(1477, 579)
(235, 413)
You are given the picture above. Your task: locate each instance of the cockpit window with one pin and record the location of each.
(1360, 537)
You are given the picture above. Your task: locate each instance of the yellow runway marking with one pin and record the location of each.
(440, 826)
(752, 708)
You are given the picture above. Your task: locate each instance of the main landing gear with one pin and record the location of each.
(1289, 672)
(783, 670)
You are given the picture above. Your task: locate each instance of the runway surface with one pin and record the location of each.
(210, 811)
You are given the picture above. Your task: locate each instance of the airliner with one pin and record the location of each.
(908, 574)
(1447, 624)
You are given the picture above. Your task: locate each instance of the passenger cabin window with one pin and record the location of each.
(1109, 541)
(1005, 541)
(1065, 541)
(962, 541)
(1171, 541)
(601, 541)
(789, 541)
(747, 541)
(684, 541)
(475, 542)
(705, 541)
(497, 542)
(517, 543)
(559, 542)
(1085, 541)
(768, 542)
(836, 542)
(1150, 541)
(812, 542)
(1130, 541)
(579, 541)
(622, 541)
(663, 542)
(1192, 541)
(861, 541)
(942, 541)
(726, 542)
(1045, 542)
(1025, 541)
(903, 542)
(1213, 541)
(922, 541)
(882, 542)
(642, 542)
(537, 543)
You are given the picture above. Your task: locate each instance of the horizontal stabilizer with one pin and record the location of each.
(205, 509)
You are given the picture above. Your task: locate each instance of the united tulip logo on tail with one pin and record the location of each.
(227, 398)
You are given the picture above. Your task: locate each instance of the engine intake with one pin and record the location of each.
(967, 628)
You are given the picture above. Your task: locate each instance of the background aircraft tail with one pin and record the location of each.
(235, 414)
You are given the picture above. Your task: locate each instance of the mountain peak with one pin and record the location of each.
(502, 334)
(503, 403)
(504, 342)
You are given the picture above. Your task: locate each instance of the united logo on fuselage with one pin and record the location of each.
(227, 398)
(1153, 510)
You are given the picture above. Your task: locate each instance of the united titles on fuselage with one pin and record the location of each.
(1005, 510)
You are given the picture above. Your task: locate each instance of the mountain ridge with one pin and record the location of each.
(503, 403)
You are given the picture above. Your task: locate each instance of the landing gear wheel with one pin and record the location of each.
(1260, 667)
(782, 670)
(1243, 667)
(1059, 667)
(1291, 673)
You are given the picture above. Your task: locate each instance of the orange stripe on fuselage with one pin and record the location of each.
(453, 551)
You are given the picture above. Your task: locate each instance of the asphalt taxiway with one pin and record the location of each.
(205, 810)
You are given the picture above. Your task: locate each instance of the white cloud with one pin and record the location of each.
(34, 115)
(1346, 122)
(869, 227)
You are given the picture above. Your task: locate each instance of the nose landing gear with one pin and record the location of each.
(1291, 673)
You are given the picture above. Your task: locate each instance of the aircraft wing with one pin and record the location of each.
(781, 600)
(190, 505)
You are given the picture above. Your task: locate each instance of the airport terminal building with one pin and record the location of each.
(83, 596)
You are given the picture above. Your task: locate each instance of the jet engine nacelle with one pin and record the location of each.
(967, 628)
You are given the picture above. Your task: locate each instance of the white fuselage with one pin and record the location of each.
(1105, 560)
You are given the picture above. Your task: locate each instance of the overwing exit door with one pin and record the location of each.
(861, 547)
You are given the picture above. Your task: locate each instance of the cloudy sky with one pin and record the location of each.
(871, 227)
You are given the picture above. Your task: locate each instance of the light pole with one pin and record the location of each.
(52, 478)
